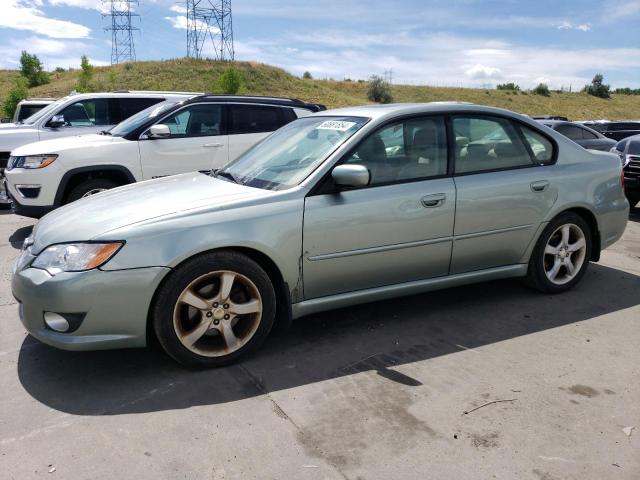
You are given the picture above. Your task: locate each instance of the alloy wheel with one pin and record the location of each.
(217, 313)
(564, 254)
(93, 191)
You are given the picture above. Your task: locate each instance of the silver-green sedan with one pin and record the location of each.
(338, 208)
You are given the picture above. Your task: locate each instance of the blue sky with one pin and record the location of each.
(452, 43)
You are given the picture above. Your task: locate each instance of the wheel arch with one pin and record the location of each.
(284, 316)
(591, 220)
(74, 177)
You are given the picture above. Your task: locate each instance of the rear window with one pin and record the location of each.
(254, 119)
(131, 106)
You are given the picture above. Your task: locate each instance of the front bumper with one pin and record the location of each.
(115, 303)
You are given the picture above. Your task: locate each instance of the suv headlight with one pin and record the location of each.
(75, 257)
(31, 161)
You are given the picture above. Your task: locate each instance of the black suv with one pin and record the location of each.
(629, 152)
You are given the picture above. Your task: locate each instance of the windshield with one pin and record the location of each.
(135, 121)
(49, 109)
(290, 154)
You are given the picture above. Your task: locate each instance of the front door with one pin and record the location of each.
(504, 191)
(397, 229)
(197, 142)
(83, 117)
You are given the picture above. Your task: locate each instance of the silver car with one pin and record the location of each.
(338, 208)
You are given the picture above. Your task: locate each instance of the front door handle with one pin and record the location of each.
(539, 186)
(212, 145)
(435, 200)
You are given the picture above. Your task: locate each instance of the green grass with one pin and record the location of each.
(259, 79)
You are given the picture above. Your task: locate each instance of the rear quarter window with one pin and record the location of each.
(541, 146)
(255, 119)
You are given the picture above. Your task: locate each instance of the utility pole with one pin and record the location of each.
(210, 21)
(120, 12)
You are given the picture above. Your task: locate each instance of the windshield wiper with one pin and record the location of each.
(228, 175)
(105, 132)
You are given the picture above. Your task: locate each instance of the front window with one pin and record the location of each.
(136, 121)
(49, 109)
(288, 156)
(87, 113)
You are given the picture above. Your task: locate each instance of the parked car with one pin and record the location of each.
(629, 152)
(331, 210)
(550, 117)
(30, 106)
(583, 136)
(619, 130)
(75, 114)
(175, 136)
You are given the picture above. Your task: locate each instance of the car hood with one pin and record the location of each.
(91, 217)
(58, 145)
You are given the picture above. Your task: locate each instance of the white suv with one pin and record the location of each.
(197, 134)
(76, 114)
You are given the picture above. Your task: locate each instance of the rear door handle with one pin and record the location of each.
(212, 145)
(435, 200)
(539, 186)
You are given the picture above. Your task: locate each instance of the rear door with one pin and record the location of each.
(397, 229)
(250, 123)
(198, 141)
(504, 190)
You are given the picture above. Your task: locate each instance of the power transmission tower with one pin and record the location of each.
(210, 20)
(120, 12)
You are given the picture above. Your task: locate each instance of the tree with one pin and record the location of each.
(307, 75)
(379, 90)
(31, 69)
(598, 88)
(229, 81)
(85, 76)
(542, 89)
(508, 86)
(18, 92)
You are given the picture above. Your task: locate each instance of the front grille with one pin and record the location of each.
(632, 170)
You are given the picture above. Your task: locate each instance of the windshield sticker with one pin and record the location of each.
(337, 125)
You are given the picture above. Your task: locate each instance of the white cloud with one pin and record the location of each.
(88, 4)
(479, 71)
(180, 22)
(26, 15)
(178, 9)
(565, 25)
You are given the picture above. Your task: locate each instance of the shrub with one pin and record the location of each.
(598, 88)
(113, 77)
(128, 66)
(508, 86)
(31, 69)
(229, 81)
(307, 76)
(85, 76)
(18, 92)
(59, 70)
(542, 89)
(379, 90)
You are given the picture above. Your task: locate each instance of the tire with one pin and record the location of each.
(87, 186)
(212, 334)
(543, 262)
(633, 200)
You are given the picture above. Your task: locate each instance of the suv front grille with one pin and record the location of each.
(632, 170)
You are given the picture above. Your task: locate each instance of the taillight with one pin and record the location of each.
(622, 179)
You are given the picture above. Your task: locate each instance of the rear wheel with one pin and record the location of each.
(214, 309)
(90, 187)
(561, 256)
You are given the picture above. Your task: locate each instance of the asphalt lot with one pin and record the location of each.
(373, 392)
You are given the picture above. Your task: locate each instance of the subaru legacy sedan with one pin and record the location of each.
(334, 209)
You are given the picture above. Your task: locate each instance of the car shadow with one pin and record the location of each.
(634, 214)
(17, 237)
(375, 336)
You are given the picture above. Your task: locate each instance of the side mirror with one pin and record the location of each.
(159, 131)
(351, 176)
(56, 121)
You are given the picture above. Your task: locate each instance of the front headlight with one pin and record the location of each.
(75, 257)
(31, 161)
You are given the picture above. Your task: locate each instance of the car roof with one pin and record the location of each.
(381, 112)
(256, 99)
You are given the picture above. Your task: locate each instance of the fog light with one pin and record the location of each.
(56, 322)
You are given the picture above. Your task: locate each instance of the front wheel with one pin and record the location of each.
(213, 309)
(561, 256)
(90, 187)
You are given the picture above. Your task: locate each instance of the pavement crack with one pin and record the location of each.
(257, 383)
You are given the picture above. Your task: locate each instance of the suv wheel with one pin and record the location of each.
(561, 256)
(90, 187)
(214, 309)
